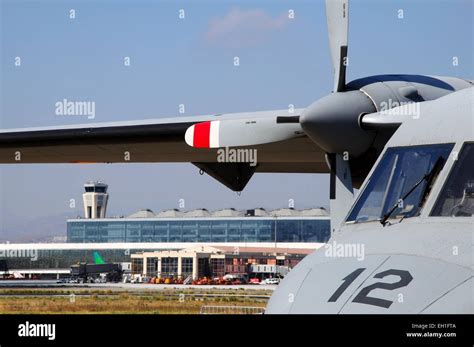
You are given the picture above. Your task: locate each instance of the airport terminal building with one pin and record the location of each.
(229, 225)
(287, 233)
(50, 260)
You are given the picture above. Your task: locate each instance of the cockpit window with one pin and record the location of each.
(457, 196)
(399, 185)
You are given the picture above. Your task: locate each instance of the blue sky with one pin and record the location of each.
(190, 62)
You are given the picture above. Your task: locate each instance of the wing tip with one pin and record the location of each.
(189, 136)
(203, 135)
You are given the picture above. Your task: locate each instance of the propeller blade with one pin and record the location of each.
(380, 121)
(242, 132)
(337, 14)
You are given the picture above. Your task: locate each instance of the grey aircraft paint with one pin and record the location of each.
(422, 264)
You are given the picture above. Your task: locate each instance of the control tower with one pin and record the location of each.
(95, 200)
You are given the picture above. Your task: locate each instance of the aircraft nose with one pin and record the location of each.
(378, 283)
(332, 122)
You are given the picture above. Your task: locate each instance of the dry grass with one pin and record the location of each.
(126, 303)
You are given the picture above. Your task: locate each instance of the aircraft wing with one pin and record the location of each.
(163, 140)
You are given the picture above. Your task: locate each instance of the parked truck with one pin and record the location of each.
(113, 272)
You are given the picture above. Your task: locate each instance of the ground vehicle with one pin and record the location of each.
(272, 280)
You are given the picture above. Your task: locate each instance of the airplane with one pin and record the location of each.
(365, 135)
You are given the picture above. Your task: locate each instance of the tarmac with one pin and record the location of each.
(126, 286)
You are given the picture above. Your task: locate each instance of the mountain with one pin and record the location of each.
(36, 229)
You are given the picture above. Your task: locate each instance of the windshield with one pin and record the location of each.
(457, 196)
(397, 175)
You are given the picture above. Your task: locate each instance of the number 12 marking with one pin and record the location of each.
(362, 297)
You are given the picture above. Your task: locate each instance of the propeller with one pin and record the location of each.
(384, 120)
(337, 15)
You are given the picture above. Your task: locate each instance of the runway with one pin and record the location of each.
(10, 284)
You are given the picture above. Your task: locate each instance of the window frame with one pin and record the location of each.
(375, 167)
(446, 181)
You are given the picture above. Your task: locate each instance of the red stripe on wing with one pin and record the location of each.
(202, 134)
